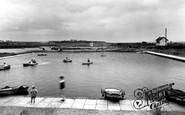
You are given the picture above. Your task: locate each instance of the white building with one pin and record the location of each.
(161, 41)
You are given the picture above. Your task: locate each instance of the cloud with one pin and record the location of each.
(110, 20)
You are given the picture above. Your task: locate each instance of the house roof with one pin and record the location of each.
(160, 38)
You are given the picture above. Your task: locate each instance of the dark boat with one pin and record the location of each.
(42, 54)
(29, 64)
(176, 96)
(87, 63)
(112, 93)
(2, 67)
(67, 60)
(13, 90)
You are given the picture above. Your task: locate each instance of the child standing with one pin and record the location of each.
(33, 93)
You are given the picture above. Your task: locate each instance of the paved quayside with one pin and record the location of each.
(78, 103)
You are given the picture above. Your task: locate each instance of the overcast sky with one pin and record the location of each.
(107, 20)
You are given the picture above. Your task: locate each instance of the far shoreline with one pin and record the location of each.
(12, 54)
(5, 54)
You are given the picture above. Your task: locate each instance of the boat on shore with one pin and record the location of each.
(112, 93)
(4, 67)
(87, 63)
(17, 90)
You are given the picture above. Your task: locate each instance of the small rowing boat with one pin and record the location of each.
(67, 60)
(87, 63)
(4, 67)
(31, 63)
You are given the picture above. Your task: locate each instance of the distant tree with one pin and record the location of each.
(143, 42)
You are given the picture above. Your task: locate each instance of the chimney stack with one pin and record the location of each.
(166, 33)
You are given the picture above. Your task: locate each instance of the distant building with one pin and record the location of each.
(161, 41)
(91, 44)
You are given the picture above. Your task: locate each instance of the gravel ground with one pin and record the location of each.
(54, 111)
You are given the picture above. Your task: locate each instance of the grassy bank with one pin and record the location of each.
(7, 54)
(26, 52)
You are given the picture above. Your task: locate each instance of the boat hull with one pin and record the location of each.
(29, 64)
(8, 92)
(42, 54)
(14, 90)
(87, 63)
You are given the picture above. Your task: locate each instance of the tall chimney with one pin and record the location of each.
(166, 33)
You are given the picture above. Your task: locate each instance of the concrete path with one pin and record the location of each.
(91, 104)
(166, 56)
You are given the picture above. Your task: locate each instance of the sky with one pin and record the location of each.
(99, 20)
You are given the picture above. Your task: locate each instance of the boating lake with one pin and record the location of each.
(127, 71)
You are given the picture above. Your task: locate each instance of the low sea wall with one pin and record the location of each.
(178, 58)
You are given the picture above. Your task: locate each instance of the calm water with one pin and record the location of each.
(127, 71)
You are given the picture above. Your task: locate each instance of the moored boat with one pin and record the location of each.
(112, 93)
(13, 90)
